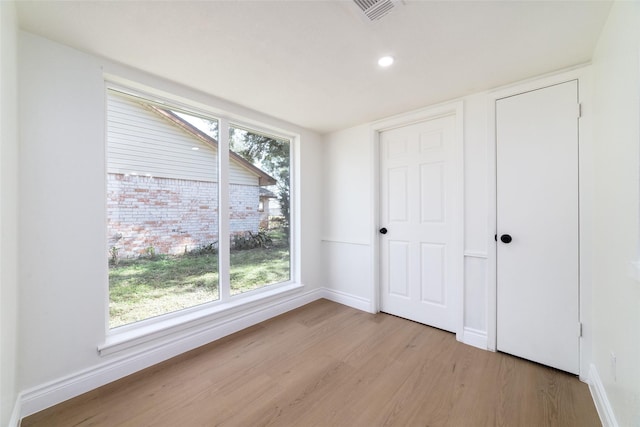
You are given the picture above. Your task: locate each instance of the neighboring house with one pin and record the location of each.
(264, 207)
(274, 207)
(162, 183)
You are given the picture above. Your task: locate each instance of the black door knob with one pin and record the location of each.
(383, 230)
(505, 238)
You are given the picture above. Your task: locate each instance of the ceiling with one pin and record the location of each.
(314, 63)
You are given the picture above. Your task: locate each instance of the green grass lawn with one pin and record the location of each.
(147, 287)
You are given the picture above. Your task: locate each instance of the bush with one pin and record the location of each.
(113, 256)
(210, 249)
(150, 252)
(250, 240)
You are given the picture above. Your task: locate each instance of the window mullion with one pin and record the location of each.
(223, 241)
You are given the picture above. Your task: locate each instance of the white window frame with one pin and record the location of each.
(141, 332)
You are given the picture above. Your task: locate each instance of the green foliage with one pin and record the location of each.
(113, 256)
(209, 249)
(249, 240)
(273, 156)
(141, 288)
(258, 267)
(150, 252)
(270, 154)
(279, 238)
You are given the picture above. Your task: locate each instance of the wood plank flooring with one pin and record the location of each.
(325, 364)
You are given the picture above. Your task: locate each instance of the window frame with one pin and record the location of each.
(136, 333)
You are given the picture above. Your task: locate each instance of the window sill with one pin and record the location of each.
(137, 334)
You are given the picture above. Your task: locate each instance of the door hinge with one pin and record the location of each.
(580, 330)
(579, 109)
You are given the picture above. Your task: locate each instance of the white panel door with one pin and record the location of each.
(419, 251)
(537, 206)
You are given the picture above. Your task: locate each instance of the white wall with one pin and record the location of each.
(350, 203)
(8, 211)
(477, 236)
(62, 306)
(348, 227)
(616, 294)
(610, 235)
(63, 301)
(349, 247)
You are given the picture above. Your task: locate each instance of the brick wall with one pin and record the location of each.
(172, 215)
(243, 207)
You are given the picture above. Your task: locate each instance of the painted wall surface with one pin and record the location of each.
(63, 302)
(477, 236)
(350, 195)
(611, 222)
(616, 295)
(348, 212)
(8, 211)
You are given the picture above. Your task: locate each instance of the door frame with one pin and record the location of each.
(455, 109)
(585, 200)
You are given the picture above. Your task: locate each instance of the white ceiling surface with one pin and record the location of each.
(314, 64)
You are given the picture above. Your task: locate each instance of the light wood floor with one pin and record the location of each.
(329, 365)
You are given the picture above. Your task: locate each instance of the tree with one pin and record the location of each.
(272, 156)
(269, 154)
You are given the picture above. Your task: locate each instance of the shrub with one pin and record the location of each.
(250, 240)
(113, 258)
(210, 249)
(150, 252)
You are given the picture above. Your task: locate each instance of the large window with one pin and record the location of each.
(169, 247)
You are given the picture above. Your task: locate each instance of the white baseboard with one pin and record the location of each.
(57, 391)
(350, 300)
(14, 421)
(599, 395)
(475, 338)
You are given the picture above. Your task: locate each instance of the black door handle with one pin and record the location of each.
(505, 238)
(383, 230)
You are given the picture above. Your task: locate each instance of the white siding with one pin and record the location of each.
(142, 142)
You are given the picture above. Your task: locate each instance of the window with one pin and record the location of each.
(166, 235)
(259, 258)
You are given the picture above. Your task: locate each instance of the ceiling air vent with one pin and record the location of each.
(376, 9)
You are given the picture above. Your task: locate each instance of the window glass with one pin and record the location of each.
(259, 213)
(162, 209)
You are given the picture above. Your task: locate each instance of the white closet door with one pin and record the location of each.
(537, 225)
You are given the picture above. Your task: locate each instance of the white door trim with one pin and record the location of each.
(456, 110)
(585, 202)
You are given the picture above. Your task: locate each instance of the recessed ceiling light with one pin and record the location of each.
(195, 148)
(385, 61)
